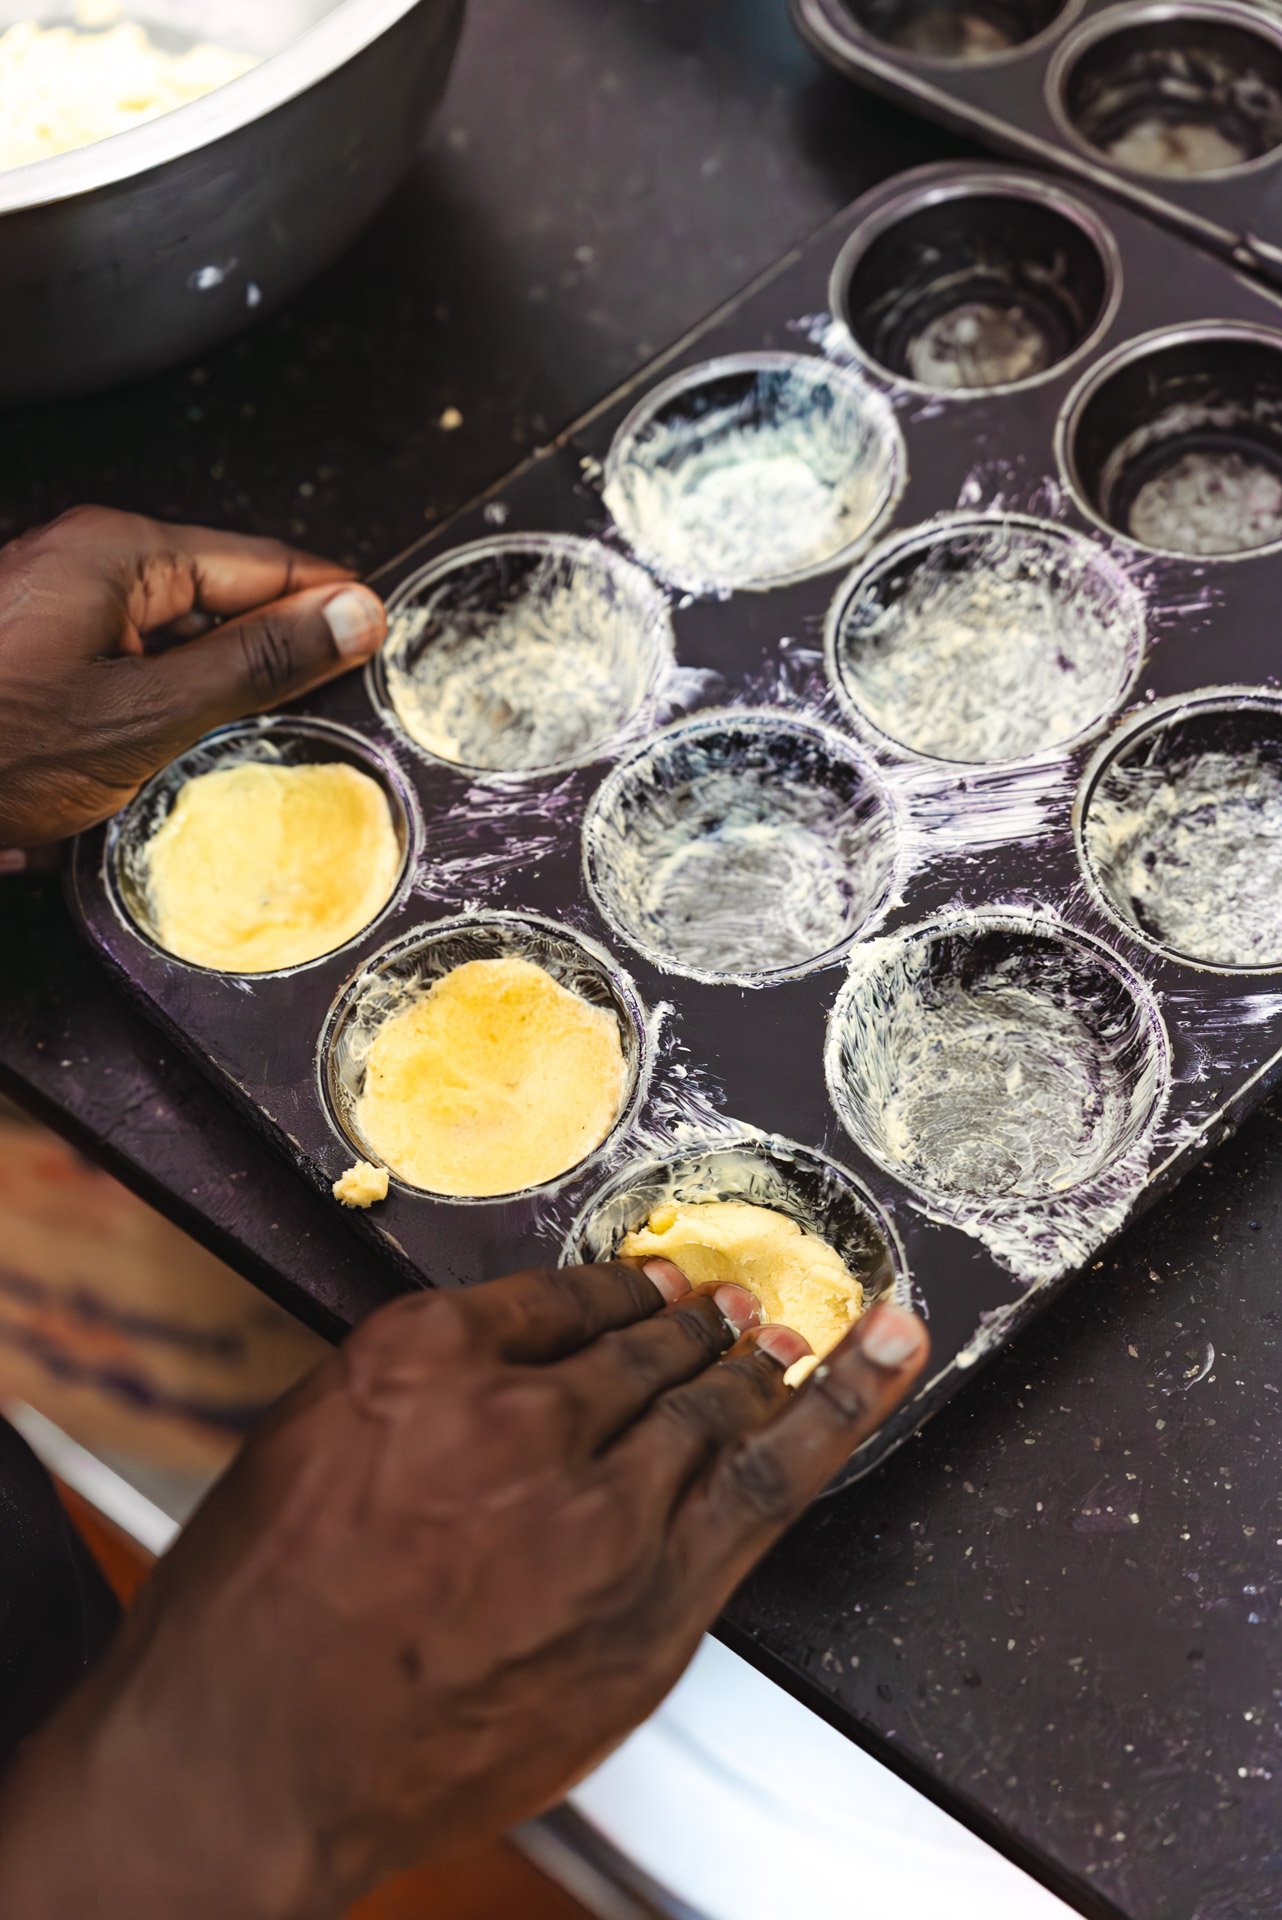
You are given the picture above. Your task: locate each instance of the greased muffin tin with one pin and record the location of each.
(860, 705)
(1175, 107)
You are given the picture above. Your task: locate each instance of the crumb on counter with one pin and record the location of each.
(361, 1185)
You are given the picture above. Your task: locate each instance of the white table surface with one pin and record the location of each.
(733, 1797)
(746, 1806)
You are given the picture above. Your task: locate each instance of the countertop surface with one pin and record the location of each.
(1058, 1609)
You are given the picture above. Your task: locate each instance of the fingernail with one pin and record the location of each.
(738, 1307)
(13, 860)
(783, 1345)
(890, 1337)
(669, 1279)
(355, 618)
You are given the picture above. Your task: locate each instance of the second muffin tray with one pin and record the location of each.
(1173, 105)
(863, 707)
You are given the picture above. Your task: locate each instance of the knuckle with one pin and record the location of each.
(526, 1411)
(582, 1287)
(758, 1482)
(168, 578)
(268, 655)
(650, 1352)
(139, 723)
(287, 559)
(642, 1296)
(545, 1289)
(436, 1323)
(442, 1320)
(701, 1325)
(87, 523)
(131, 695)
(687, 1411)
(601, 1515)
(760, 1377)
(641, 1364)
(573, 1418)
(87, 517)
(841, 1395)
(570, 1283)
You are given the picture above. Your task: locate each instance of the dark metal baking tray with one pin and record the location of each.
(723, 1064)
(1069, 85)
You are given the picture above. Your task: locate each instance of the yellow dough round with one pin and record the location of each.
(498, 1078)
(800, 1280)
(260, 866)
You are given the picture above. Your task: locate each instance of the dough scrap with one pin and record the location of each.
(496, 1079)
(260, 866)
(800, 1280)
(361, 1185)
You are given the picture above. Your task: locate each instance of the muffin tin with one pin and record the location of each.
(857, 811)
(1175, 107)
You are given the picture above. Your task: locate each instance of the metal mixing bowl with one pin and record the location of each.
(144, 249)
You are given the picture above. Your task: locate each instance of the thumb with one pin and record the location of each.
(267, 657)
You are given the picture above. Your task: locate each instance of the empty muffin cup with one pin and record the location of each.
(994, 1058)
(1173, 93)
(976, 283)
(522, 654)
(482, 1058)
(1180, 826)
(960, 32)
(1175, 441)
(761, 1171)
(985, 638)
(754, 470)
(741, 847)
(264, 847)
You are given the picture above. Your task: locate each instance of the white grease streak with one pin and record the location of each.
(987, 639)
(740, 846)
(1185, 838)
(1009, 1073)
(749, 471)
(518, 656)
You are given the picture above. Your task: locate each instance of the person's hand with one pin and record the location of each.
(110, 663)
(450, 1573)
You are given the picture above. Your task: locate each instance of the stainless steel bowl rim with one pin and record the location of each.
(318, 51)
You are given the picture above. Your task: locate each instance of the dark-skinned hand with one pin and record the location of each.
(111, 662)
(482, 1542)
(452, 1571)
